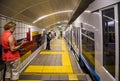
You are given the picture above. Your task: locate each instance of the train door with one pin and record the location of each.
(110, 41)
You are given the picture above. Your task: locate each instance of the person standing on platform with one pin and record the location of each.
(48, 41)
(10, 53)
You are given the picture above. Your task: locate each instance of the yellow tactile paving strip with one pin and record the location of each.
(54, 74)
(55, 45)
(50, 52)
(66, 67)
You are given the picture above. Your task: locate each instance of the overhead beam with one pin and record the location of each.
(82, 6)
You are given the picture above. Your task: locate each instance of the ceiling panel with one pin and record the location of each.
(29, 10)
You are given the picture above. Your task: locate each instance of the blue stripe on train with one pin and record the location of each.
(92, 71)
(90, 68)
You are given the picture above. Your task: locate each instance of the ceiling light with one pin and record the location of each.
(44, 16)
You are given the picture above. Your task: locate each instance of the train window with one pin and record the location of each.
(77, 37)
(88, 50)
(74, 36)
(108, 21)
(89, 33)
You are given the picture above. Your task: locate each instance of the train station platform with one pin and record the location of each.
(55, 64)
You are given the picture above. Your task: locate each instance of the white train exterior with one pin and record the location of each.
(97, 30)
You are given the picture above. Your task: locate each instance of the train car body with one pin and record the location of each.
(94, 37)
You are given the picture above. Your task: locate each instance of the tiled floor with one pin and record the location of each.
(54, 64)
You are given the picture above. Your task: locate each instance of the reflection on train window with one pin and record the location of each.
(91, 34)
(88, 50)
(109, 40)
(75, 37)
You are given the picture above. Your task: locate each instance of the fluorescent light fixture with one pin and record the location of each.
(87, 11)
(43, 29)
(89, 25)
(58, 22)
(44, 16)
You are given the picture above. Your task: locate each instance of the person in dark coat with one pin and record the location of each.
(48, 41)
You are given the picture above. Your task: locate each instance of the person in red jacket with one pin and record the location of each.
(10, 53)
